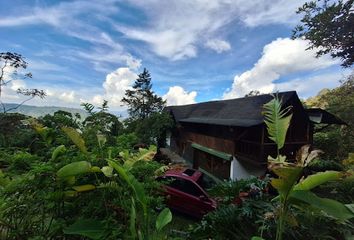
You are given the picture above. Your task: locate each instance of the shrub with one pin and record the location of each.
(320, 165)
(227, 191)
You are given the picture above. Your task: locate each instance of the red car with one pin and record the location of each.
(185, 190)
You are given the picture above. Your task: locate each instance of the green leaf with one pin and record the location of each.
(75, 138)
(132, 220)
(317, 179)
(90, 228)
(164, 218)
(84, 188)
(107, 171)
(58, 151)
(288, 176)
(136, 186)
(350, 207)
(277, 121)
(73, 169)
(257, 238)
(331, 207)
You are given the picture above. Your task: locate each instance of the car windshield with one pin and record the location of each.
(206, 182)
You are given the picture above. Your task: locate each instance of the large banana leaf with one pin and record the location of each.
(163, 219)
(132, 220)
(277, 121)
(73, 169)
(132, 182)
(84, 188)
(76, 138)
(58, 151)
(90, 228)
(331, 207)
(317, 179)
(288, 176)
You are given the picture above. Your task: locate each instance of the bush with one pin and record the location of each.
(235, 222)
(227, 191)
(126, 141)
(320, 165)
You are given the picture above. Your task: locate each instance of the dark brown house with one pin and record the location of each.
(228, 138)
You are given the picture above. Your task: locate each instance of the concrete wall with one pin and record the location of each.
(242, 170)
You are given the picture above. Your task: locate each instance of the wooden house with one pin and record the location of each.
(228, 138)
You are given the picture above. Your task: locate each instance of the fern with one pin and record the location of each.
(277, 121)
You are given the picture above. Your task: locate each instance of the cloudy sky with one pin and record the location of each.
(196, 50)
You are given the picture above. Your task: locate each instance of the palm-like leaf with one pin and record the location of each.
(76, 138)
(277, 120)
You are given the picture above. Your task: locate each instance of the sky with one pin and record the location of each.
(195, 50)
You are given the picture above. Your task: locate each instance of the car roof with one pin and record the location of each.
(186, 173)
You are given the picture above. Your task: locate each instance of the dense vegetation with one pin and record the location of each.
(67, 178)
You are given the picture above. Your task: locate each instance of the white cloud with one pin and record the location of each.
(280, 58)
(74, 18)
(114, 86)
(218, 45)
(175, 29)
(310, 86)
(67, 96)
(117, 83)
(16, 84)
(176, 95)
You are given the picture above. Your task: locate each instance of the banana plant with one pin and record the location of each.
(140, 231)
(139, 227)
(292, 187)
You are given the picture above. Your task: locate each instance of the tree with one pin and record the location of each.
(337, 140)
(329, 27)
(253, 93)
(142, 101)
(101, 122)
(11, 66)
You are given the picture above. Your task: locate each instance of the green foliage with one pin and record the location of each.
(90, 228)
(73, 169)
(76, 138)
(14, 132)
(152, 129)
(142, 101)
(337, 140)
(228, 191)
(235, 222)
(100, 123)
(293, 192)
(331, 207)
(277, 121)
(146, 119)
(58, 151)
(164, 218)
(61, 118)
(126, 141)
(320, 165)
(329, 28)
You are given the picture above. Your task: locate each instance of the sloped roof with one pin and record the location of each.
(318, 115)
(242, 112)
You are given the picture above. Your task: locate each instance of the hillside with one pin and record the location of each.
(37, 111)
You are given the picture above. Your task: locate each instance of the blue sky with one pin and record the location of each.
(195, 50)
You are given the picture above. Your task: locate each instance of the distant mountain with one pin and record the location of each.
(38, 111)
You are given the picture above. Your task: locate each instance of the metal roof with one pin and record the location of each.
(242, 112)
(318, 115)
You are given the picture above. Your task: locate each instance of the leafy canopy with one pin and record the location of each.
(329, 27)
